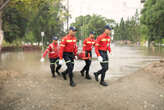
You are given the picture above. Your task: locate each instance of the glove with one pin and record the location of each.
(76, 57)
(100, 59)
(42, 59)
(60, 62)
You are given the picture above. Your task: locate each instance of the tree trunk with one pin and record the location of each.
(1, 31)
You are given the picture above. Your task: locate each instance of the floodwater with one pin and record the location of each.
(122, 61)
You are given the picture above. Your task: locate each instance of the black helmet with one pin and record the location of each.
(72, 28)
(92, 32)
(54, 38)
(108, 27)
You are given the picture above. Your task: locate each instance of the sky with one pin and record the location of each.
(115, 9)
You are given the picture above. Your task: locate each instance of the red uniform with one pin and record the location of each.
(102, 43)
(68, 44)
(88, 44)
(52, 51)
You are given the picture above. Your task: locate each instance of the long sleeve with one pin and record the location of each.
(84, 45)
(75, 50)
(62, 46)
(109, 48)
(46, 51)
(97, 45)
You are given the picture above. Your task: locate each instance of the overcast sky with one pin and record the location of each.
(115, 9)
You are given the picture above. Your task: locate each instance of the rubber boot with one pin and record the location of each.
(64, 75)
(88, 77)
(103, 83)
(96, 76)
(82, 73)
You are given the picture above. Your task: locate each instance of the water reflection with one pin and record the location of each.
(123, 60)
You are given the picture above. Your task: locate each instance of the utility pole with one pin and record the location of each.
(42, 35)
(68, 15)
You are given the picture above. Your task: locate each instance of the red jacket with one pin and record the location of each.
(88, 44)
(82, 56)
(102, 43)
(52, 51)
(68, 44)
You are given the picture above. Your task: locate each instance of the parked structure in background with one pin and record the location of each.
(143, 1)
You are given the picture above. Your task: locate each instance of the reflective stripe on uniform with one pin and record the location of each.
(52, 52)
(89, 42)
(62, 45)
(68, 61)
(68, 40)
(105, 39)
(57, 60)
(105, 62)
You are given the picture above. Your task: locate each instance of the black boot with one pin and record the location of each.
(53, 75)
(57, 71)
(64, 75)
(96, 76)
(103, 83)
(72, 84)
(88, 77)
(82, 73)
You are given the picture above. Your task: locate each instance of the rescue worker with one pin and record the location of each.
(53, 52)
(68, 51)
(87, 48)
(101, 47)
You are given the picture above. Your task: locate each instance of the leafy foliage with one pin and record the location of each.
(88, 23)
(31, 17)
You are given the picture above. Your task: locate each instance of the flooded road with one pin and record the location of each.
(33, 88)
(122, 61)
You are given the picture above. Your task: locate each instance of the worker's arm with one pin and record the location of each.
(75, 50)
(46, 51)
(97, 44)
(62, 46)
(109, 48)
(84, 45)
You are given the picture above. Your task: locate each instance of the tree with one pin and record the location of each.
(88, 23)
(14, 24)
(3, 4)
(129, 29)
(31, 17)
(153, 18)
